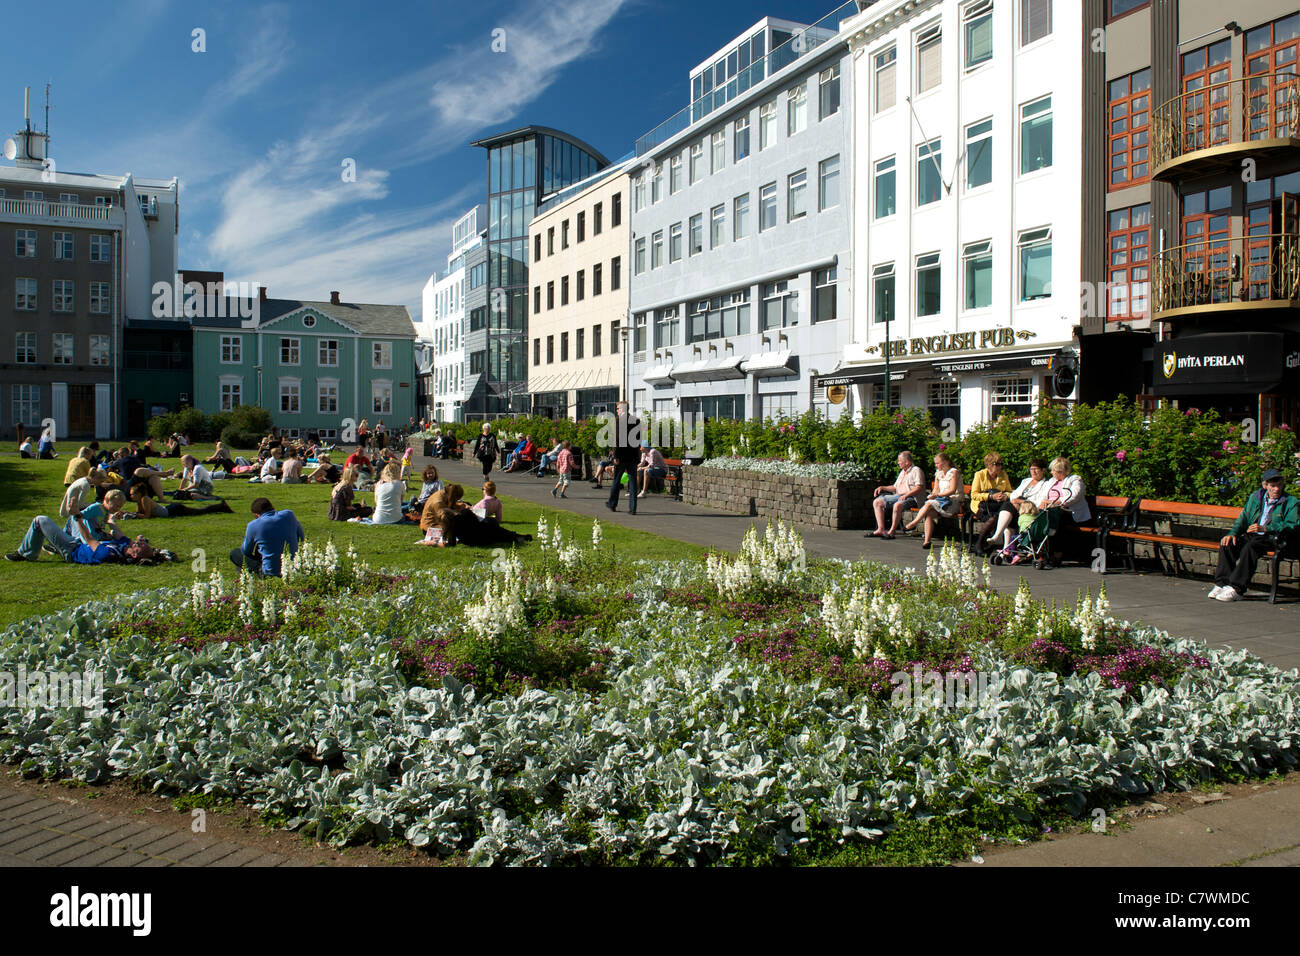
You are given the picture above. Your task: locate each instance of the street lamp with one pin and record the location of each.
(624, 335)
(888, 350)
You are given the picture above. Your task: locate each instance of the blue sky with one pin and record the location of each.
(258, 126)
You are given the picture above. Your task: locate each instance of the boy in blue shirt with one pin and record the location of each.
(266, 537)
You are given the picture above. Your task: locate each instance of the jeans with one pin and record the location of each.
(1237, 562)
(620, 470)
(44, 529)
(546, 460)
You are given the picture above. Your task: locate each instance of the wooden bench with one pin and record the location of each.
(673, 480)
(1149, 511)
(962, 517)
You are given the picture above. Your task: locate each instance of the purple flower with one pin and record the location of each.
(1121, 454)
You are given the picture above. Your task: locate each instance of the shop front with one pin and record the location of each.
(1249, 377)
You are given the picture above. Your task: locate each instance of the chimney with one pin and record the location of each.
(334, 299)
(261, 293)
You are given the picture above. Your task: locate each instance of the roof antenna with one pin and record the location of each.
(47, 119)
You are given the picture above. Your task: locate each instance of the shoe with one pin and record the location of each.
(564, 496)
(610, 507)
(1016, 559)
(14, 556)
(925, 545)
(554, 493)
(1230, 593)
(889, 536)
(1215, 591)
(641, 494)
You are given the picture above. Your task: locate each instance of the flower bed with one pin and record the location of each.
(737, 711)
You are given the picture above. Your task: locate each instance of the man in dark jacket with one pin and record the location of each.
(627, 455)
(1269, 516)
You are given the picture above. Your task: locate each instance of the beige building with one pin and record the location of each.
(579, 297)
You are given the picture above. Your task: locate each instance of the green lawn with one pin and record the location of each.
(36, 487)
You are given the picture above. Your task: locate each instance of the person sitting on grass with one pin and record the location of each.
(358, 460)
(488, 507)
(430, 485)
(388, 498)
(146, 507)
(97, 456)
(220, 458)
(1268, 519)
(83, 492)
(78, 467)
(100, 517)
(265, 539)
(196, 481)
(652, 466)
(45, 447)
(325, 472)
(459, 525)
(342, 505)
(291, 471)
(25, 448)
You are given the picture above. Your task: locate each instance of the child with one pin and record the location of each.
(563, 465)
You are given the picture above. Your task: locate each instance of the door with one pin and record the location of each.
(104, 427)
(81, 411)
(59, 409)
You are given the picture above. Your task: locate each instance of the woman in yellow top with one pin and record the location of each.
(79, 467)
(990, 493)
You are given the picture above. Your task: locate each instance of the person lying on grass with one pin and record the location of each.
(99, 517)
(147, 507)
(79, 544)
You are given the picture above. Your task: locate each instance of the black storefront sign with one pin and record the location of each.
(1227, 363)
(876, 373)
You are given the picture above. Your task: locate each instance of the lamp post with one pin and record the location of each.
(624, 333)
(888, 350)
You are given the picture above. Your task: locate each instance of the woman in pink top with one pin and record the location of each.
(489, 508)
(563, 465)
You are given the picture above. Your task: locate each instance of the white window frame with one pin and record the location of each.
(717, 151)
(973, 13)
(974, 250)
(675, 242)
(796, 109)
(924, 263)
(717, 225)
(63, 294)
(925, 37)
(291, 389)
(327, 388)
(26, 294)
(796, 195)
(101, 246)
(1041, 106)
(766, 125)
(1038, 237)
(976, 139)
(25, 243)
(1026, 18)
(63, 242)
(325, 347)
(697, 163)
(26, 400)
(822, 175)
(230, 392)
(101, 295)
(25, 348)
(381, 388)
(884, 77)
(63, 348)
(675, 175)
(381, 355)
(101, 348)
(766, 200)
(740, 212)
(232, 350)
(829, 77)
(741, 126)
(290, 350)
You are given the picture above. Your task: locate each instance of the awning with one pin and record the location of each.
(1031, 360)
(659, 374)
(767, 364)
(709, 370)
(1227, 363)
(973, 364)
(862, 375)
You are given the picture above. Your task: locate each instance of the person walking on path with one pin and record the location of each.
(486, 449)
(627, 455)
(563, 465)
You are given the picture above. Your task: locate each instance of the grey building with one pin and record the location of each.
(740, 232)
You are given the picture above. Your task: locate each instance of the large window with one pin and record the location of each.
(290, 351)
(667, 322)
(928, 282)
(1035, 20)
(25, 348)
(99, 298)
(675, 242)
(657, 249)
(231, 349)
(824, 307)
(720, 316)
(886, 79)
(780, 304)
(740, 217)
(776, 407)
(1035, 248)
(697, 234)
(63, 348)
(381, 398)
(290, 397)
(796, 206)
(1129, 240)
(886, 201)
(929, 58)
(1272, 49)
(100, 249)
(718, 151)
(978, 30)
(675, 175)
(1011, 396)
(327, 396)
(977, 262)
(929, 177)
(657, 184)
(25, 295)
(828, 98)
(638, 258)
(232, 394)
(740, 135)
(828, 183)
(1130, 121)
(25, 243)
(63, 246)
(100, 350)
(717, 226)
(1205, 223)
(767, 125)
(697, 163)
(882, 292)
(64, 295)
(382, 355)
(27, 404)
(979, 154)
(767, 207)
(1036, 135)
(796, 109)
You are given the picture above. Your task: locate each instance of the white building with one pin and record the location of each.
(966, 223)
(442, 318)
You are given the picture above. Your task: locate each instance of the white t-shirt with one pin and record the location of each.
(269, 469)
(80, 492)
(388, 502)
(201, 476)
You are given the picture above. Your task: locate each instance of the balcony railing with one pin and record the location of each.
(1256, 271)
(56, 210)
(1211, 125)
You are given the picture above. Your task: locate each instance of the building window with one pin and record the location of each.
(579, 343)
(1036, 135)
(550, 295)
(638, 194)
(476, 362)
(27, 404)
(1012, 396)
(657, 184)
(718, 151)
(828, 183)
(290, 397)
(100, 350)
(1117, 8)
(667, 322)
(1035, 20)
(929, 178)
(100, 250)
(1130, 122)
(63, 348)
(882, 291)
(979, 154)
(381, 398)
(697, 234)
(478, 275)
(550, 350)
(550, 238)
(740, 136)
(740, 217)
(979, 33)
(675, 175)
(796, 109)
(717, 226)
(613, 337)
(595, 340)
(382, 355)
(929, 58)
(290, 352)
(796, 195)
(824, 309)
(766, 125)
(675, 242)
(697, 163)
(25, 348)
(597, 213)
(564, 346)
(721, 315)
(828, 100)
(327, 397)
(615, 273)
(1129, 241)
(1035, 264)
(885, 177)
(886, 79)
(537, 299)
(25, 243)
(232, 349)
(780, 304)
(537, 351)
(564, 235)
(71, 199)
(564, 290)
(616, 210)
(582, 227)
(977, 261)
(638, 335)
(63, 295)
(63, 246)
(537, 247)
(767, 207)
(638, 262)
(657, 248)
(776, 407)
(581, 291)
(25, 295)
(595, 279)
(928, 282)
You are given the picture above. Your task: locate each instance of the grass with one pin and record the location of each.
(35, 487)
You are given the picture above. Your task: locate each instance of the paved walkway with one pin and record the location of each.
(40, 831)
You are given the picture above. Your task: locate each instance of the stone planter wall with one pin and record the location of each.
(818, 502)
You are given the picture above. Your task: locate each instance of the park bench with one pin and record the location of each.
(962, 519)
(673, 480)
(1141, 522)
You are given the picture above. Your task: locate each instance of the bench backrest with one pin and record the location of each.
(673, 462)
(1189, 509)
(1108, 501)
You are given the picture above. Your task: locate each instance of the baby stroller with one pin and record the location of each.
(1031, 546)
